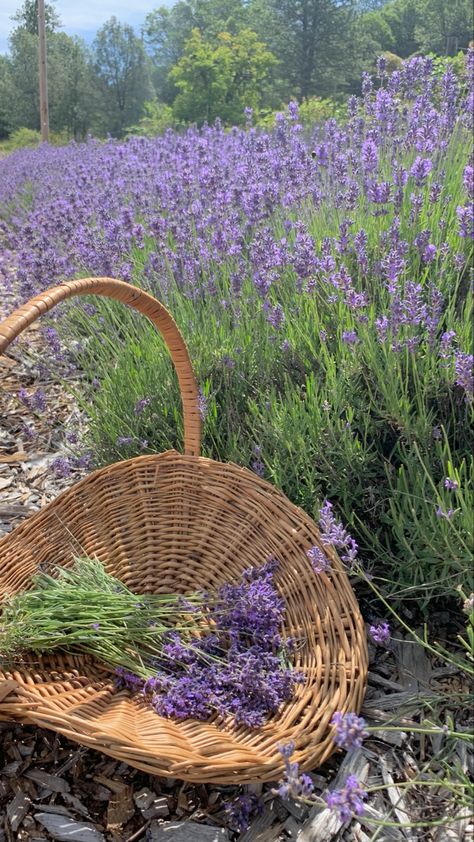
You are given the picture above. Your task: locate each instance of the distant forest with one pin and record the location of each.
(203, 59)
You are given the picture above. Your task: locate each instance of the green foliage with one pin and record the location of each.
(220, 81)
(312, 41)
(21, 139)
(157, 118)
(444, 27)
(122, 69)
(73, 99)
(27, 17)
(167, 30)
(409, 26)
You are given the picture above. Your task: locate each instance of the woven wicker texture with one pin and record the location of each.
(172, 522)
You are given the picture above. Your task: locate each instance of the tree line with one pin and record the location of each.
(202, 59)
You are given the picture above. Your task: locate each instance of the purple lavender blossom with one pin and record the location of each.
(468, 180)
(421, 169)
(463, 366)
(320, 562)
(350, 730)
(62, 466)
(124, 441)
(276, 316)
(333, 532)
(240, 811)
(294, 784)
(202, 405)
(451, 484)
(349, 337)
(465, 215)
(441, 513)
(347, 801)
(380, 634)
(369, 156)
(141, 405)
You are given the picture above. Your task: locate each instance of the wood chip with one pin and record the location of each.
(67, 830)
(51, 782)
(187, 831)
(17, 810)
(120, 808)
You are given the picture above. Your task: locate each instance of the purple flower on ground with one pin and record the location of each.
(36, 401)
(95, 626)
(240, 811)
(347, 801)
(451, 484)
(319, 560)
(350, 730)
(61, 466)
(380, 634)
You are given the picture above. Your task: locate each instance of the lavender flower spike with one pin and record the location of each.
(347, 801)
(350, 730)
(294, 784)
(380, 634)
(319, 560)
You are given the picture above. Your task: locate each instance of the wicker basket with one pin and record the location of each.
(172, 522)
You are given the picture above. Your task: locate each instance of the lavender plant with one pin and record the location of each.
(322, 283)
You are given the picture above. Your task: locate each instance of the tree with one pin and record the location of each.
(6, 98)
(311, 39)
(72, 88)
(443, 27)
(167, 30)
(27, 17)
(122, 67)
(221, 81)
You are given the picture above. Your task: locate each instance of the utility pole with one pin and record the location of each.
(43, 78)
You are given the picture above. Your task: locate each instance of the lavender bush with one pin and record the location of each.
(321, 280)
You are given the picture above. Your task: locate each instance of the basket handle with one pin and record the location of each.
(20, 319)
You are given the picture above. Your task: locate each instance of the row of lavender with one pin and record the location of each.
(323, 286)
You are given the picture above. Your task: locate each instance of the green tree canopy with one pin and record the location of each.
(122, 68)
(312, 41)
(27, 17)
(166, 31)
(222, 80)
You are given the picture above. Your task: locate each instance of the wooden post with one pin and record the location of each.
(43, 77)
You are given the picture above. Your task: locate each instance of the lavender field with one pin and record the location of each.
(322, 281)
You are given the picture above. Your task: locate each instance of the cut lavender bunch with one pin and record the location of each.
(190, 657)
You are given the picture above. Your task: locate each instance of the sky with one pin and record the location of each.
(83, 17)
